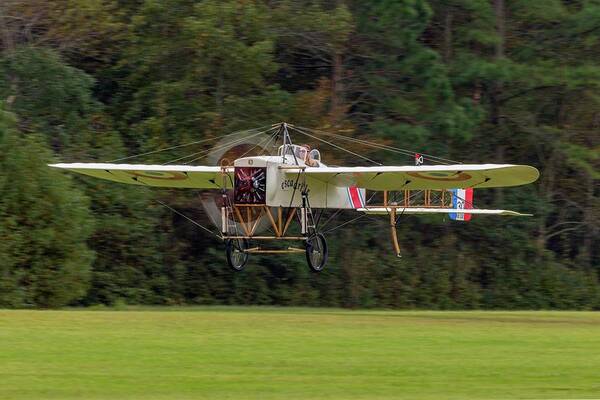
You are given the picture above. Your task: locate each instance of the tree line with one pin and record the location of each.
(503, 81)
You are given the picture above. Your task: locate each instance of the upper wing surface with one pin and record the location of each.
(425, 177)
(172, 176)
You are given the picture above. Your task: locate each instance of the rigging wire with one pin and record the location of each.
(188, 218)
(265, 149)
(189, 144)
(206, 153)
(380, 146)
(339, 210)
(336, 146)
(344, 224)
(263, 143)
(213, 149)
(277, 127)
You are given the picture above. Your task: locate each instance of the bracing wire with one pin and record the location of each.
(213, 149)
(267, 141)
(190, 143)
(338, 211)
(336, 146)
(380, 146)
(266, 146)
(263, 143)
(182, 214)
(186, 217)
(205, 153)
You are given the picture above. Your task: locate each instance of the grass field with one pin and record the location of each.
(255, 353)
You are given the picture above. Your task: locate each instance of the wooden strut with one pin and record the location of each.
(289, 220)
(280, 220)
(275, 251)
(242, 223)
(266, 237)
(393, 231)
(249, 227)
(430, 199)
(249, 215)
(258, 217)
(273, 224)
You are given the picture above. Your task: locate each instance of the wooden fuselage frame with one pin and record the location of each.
(280, 217)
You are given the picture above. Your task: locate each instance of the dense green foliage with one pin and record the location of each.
(44, 222)
(473, 80)
(270, 353)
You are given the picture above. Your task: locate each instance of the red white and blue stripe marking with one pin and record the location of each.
(356, 197)
(462, 199)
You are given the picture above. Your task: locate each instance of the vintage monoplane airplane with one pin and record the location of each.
(258, 192)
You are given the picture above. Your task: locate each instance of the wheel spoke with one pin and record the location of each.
(316, 252)
(236, 255)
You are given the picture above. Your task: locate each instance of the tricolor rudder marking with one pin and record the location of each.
(462, 199)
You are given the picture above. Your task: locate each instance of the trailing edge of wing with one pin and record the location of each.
(422, 210)
(172, 176)
(457, 176)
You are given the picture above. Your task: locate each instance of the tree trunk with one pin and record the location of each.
(337, 88)
(448, 36)
(219, 93)
(497, 89)
(499, 12)
(8, 43)
(588, 218)
(546, 193)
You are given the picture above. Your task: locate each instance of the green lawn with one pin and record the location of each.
(255, 353)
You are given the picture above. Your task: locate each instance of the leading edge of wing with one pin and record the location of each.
(137, 167)
(175, 176)
(426, 177)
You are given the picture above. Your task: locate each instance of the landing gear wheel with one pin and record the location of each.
(316, 252)
(236, 253)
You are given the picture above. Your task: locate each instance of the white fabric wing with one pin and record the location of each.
(425, 177)
(172, 176)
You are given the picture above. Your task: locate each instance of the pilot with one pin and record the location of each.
(313, 159)
(302, 152)
(310, 157)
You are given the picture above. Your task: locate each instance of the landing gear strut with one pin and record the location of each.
(247, 217)
(316, 246)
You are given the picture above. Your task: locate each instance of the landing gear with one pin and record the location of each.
(237, 257)
(316, 252)
(247, 217)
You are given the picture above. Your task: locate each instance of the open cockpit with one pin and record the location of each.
(301, 154)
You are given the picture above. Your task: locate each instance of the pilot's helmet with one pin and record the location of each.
(314, 158)
(314, 154)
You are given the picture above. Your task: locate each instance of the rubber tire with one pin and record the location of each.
(309, 247)
(230, 247)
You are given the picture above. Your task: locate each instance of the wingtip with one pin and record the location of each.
(534, 173)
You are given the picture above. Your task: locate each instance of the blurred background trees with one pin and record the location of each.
(473, 80)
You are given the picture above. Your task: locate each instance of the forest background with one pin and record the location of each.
(473, 80)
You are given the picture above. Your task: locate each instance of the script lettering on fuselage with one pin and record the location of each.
(288, 184)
